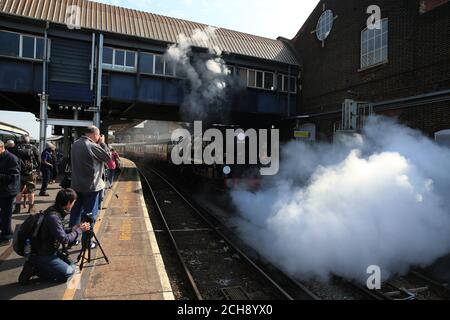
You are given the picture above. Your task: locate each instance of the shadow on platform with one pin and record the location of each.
(11, 264)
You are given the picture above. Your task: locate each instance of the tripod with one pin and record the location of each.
(86, 246)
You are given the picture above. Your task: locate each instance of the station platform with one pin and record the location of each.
(124, 229)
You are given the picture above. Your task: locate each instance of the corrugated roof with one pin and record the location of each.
(103, 17)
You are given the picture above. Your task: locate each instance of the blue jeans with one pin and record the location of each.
(87, 202)
(46, 175)
(6, 210)
(52, 268)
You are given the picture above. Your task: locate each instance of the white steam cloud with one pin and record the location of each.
(207, 74)
(378, 199)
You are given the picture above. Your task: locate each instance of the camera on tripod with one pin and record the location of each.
(88, 218)
(86, 242)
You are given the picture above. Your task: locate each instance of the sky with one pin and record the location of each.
(265, 18)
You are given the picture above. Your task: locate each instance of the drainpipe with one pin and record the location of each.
(92, 61)
(43, 97)
(97, 120)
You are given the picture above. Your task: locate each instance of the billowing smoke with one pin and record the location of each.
(382, 199)
(207, 75)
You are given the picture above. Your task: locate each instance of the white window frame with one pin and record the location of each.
(285, 83)
(382, 60)
(293, 78)
(174, 75)
(134, 67)
(123, 67)
(248, 70)
(284, 79)
(20, 53)
(256, 79)
(154, 65)
(153, 73)
(246, 77)
(108, 66)
(273, 80)
(231, 70)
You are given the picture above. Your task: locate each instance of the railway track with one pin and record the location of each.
(413, 286)
(215, 268)
(218, 269)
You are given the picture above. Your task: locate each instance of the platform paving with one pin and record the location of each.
(136, 270)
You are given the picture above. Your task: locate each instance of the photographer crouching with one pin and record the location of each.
(47, 261)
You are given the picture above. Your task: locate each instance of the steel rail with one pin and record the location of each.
(172, 238)
(213, 227)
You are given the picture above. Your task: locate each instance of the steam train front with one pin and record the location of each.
(224, 176)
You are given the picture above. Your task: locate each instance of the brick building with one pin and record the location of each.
(399, 65)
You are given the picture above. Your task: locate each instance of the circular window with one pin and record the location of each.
(324, 25)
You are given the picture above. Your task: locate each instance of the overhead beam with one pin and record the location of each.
(69, 123)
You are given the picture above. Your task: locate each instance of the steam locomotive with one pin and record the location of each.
(159, 154)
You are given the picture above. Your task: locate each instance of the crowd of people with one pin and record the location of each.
(89, 171)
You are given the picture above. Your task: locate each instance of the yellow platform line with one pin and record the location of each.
(69, 294)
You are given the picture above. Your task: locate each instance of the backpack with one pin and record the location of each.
(25, 154)
(27, 230)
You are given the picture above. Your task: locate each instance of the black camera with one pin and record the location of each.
(88, 218)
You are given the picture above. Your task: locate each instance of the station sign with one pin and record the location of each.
(302, 134)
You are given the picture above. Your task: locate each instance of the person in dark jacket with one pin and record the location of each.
(9, 188)
(46, 261)
(54, 164)
(46, 169)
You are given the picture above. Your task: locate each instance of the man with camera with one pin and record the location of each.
(88, 158)
(46, 260)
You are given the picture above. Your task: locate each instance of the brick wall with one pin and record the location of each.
(419, 61)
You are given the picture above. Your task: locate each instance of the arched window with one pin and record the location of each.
(374, 45)
(324, 25)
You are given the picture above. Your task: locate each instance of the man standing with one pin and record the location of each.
(88, 157)
(9, 188)
(46, 169)
(29, 162)
(55, 162)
